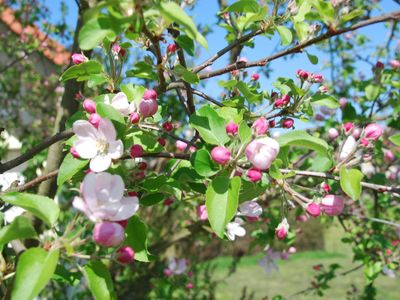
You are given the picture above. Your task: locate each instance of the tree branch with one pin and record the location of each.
(300, 47)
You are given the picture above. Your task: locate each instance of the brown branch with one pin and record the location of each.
(299, 47)
(206, 97)
(33, 182)
(35, 150)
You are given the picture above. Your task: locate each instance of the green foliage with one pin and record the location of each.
(350, 182)
(69, 167)
(20, 228)
(83, 71)
(136, 237)
(99, 280)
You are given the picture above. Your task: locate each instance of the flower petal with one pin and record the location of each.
(83, 129)
(100, 163)
(120, 103)
(115, 149)
(79, 204)
(107, 130)
(86, 148)
(129, 205)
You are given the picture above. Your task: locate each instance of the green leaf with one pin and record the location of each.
(109, 112)
(96, 79)
(352, 14)
(222, 201)
(93, 33)
(210, 125)
(42, 207)
(321, 164)
(82, 71)
(20, 228)
(133, 92)
(186, 75)
(136, 237)
(243, 6)
(69, 167)
(300, 138)
(151, 199)
(301, 30)
(34, 270)
(285, 34)
(62, 275)
(395, 139)
(325, 10)
(142, 70)
(203, 164)
(174, 13)
(248, 94)
(244, 132)
(325, 100)
(186, 43)
(312, 58)
(99, 280)
(350, 182)
(372, 92)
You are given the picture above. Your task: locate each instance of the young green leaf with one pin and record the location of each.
(136, 237)
(222, 198)
(285, 34)
(99, 280)
(109, 112)
(248, 94)
(395, 139)
(323, 99)
(186, 75)
(243, 6)
(312, 58)
(350, 182)
(203, 164)
(186, 43)
(69, 167)
(20, 228)
(82, 71)
(372, 92)
(300, 138)
(34, 270)
(42, 207)
(244, 132)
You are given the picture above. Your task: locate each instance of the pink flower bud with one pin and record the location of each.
(142, 166)
(255, 77)
(323, 89)
(285, 99)
(252, 219)
(302, 74)
(139, 175)
(260, 126)
(262, 152)
(379, 65)
(125, 255)
(387, 155)
(313, 209)
(89, 105)
(190, 273)
(395, 63)
(356, 133)
(332, 205)
(202, 212)
(243, 60)
(168, 126)
(235, 73)
(342, 102)
(115, 48)
(168, 201)
(123, 223)
(136, 151)
(231, 128)
(162, 141)
(180, 145)
(348, 127)
(302, 218)
(317, 78)
(150, 94)
(74, 153)
(167, 272)
(95, 120)
(171, 48)
(282, 230)
(189, 286)
(287, 123)
(349, 147)
(272, 123)
(148, 107)
(220, 155)
(292, 250)
(78, 58)
(373, 131)
(108, 234)
(278, 102)
(364, 142)
(134, 118)
(326, 187)
(333, 133)
(254, 174)
(132, 194)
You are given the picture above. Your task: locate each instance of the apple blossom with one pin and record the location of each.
(95, 120)
(74, 153)
(78, 58)
(260, 126)
(120, 102)
(255, 77)
(102, 198)
(97, 144)
(134, 118)
(287, 123)
(234, 229)
(388, 155)
(180, 145)
(313, 209)
(220, 155)
(189, 285)
(202, 212)
(332, 205)
(364, 142)
(250, 209)
(108, 234)
(148, 105)
(282, 229)
(89, 105)
(349, 147)
(356, 133)
(333, 133)
(171, 48)
(373, 131)
(395, 63)
(136, 151)
(254, 174)
(125, 255)
(177, 266)
(262, 152)
(302, 74)
(231, 128)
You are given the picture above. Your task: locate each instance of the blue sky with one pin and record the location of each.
(204, 13)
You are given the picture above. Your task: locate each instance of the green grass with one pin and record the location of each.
(296, 273)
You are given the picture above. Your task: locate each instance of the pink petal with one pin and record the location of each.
(86, 148)
(100, 163)
(129, 205)
(83, 129)
(107, 130)
(120, 103)
(115, 149)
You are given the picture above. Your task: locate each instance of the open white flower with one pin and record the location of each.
(177, 266)
(234, 229)
(250, 209)
(103, 198)
(97, 144)
(120, 102)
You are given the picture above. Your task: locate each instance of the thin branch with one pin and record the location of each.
(299, 47)
(33, 182)
(35, 150)
(206, 97)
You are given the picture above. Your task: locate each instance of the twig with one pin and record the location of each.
(33, 182)
(208, 98)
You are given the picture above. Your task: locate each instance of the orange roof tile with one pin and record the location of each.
(50, 48)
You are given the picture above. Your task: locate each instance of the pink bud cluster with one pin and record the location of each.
(305, 75)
